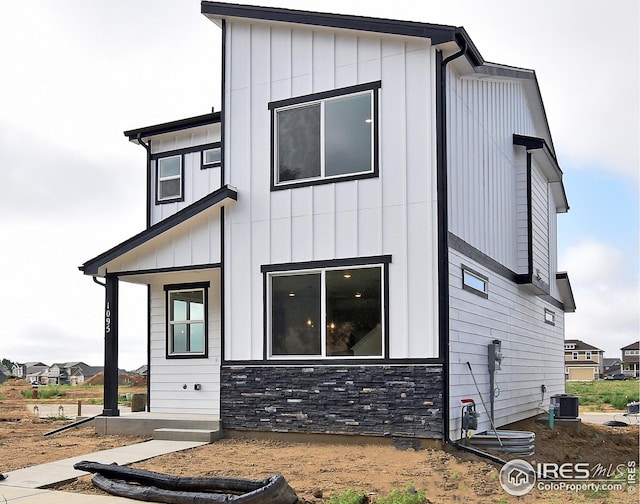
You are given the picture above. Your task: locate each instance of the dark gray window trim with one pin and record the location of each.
(165, 155)
(477, 275)
(211, 146)
(383, 260)
(375, 87)
(551, 313)
(187, 286)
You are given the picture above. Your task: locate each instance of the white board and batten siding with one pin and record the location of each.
(393, 214)
(517, 319)
(172, 380)
(487, 173)
(197, 182)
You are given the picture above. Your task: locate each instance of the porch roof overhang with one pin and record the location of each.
(97, 266)
(566, 293)
(543, 155)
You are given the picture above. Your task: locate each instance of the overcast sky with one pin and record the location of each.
(75, 74)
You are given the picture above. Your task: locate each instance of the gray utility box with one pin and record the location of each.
(565, 406)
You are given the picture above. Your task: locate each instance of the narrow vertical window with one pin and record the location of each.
(169, 178)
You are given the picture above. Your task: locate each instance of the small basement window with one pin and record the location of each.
(169, 171)
(475, 282)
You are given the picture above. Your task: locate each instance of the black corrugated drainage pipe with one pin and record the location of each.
(443, 244)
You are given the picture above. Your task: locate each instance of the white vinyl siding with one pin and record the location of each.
(394, 214)
(172, 380)
(533, 350)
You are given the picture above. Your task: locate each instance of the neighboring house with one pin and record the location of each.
(32, 371)
(612, 366)
(332, 253)
(582, 362)
(68, 373)
(631, 359)
(142, 370)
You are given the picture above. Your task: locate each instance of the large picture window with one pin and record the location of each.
(186, 321)
(328, 312)
(327, 136)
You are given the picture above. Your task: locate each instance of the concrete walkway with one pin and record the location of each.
(25, 486)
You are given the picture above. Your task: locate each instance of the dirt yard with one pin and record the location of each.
(317, 471)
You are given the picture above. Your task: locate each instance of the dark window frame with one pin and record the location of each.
(549, 317)
(466, 270)
(158, 159)
(296, 268)
(207, 166)
(168, 289)
(373, 88)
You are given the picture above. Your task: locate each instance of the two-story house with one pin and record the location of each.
(370, 217)
(582, 361)
(631, 359)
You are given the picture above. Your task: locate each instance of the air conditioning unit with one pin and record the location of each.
(565, 406)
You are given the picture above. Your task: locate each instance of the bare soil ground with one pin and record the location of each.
(316, 471)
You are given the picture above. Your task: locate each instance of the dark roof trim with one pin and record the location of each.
(437, 33)
(632, 346)
(92, 266)
(566, 292)
(169, 127)
(548, 162)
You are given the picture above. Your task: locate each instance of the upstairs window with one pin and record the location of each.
(169, 171)
(325, 137)
(211, 157)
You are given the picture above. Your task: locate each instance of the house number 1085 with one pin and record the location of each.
(107, 319)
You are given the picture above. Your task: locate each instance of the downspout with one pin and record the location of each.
(147, 147)
(443, 243)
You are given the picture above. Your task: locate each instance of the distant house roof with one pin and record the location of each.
(579, 345)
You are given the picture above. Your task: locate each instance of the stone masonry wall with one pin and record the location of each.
(359, 399)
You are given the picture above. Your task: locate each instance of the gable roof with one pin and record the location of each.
(92, 266)
(580, 345)
(632, 346)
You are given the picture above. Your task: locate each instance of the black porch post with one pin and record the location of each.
(111, 347)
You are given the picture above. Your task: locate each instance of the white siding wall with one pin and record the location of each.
(483, 114)
(197, 182)
(540, 198)
(194, 242)
(168, 376)
(533, 350)
(393, 214)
